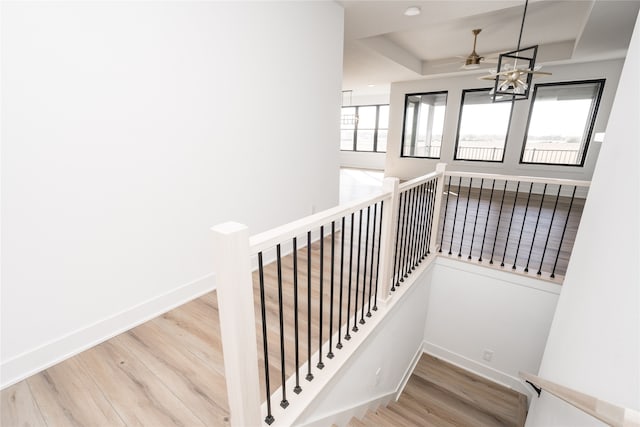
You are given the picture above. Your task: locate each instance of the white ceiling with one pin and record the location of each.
(382, 45)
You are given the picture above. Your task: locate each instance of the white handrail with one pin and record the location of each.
(407, 185)
(607, 412)
(532, 179)
(268, 239)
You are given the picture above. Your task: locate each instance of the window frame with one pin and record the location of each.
(593, 114)
(506, 136)
(375, 131)
(404, 122)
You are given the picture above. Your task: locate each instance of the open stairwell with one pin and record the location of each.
(440, 394)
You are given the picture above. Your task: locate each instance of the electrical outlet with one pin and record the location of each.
(487, 355)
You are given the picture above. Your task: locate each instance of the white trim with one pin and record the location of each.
(40, 358)
(504, 274)
(409, 371)
(477, 368)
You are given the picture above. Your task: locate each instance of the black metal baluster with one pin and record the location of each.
(524, 220)
(375, 295)
(309, 376)
(495, 238)
(403, 234)
(406, 264)
(564, 229)
(366, 260)
(411, 233)
(455, 214)
(373, 247)
(348, 336)
(513, 211)
(342, 233)
(396, 257)
(297, 389)
(426, 194)
(404, 196)
(333, 243)
(535, 230)
(284, 402)
(486, 223)
(546, 242)
(464, 221)
(320, 365)
(446, 208)
(433, 185)
(269, 418)
(429, 225)
(475, 222)
(422, 215)
(355, 309)
(417, 217)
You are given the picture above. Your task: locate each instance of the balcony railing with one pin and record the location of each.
(323, 283)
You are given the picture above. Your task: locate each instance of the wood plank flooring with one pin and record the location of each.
(440, 394)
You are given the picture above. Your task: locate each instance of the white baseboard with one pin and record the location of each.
(477, 368)
(31, 362)
(409, 372)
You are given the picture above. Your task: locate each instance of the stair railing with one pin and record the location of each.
(516, 222)
(604, 411)
(323, 282)
(319, 285)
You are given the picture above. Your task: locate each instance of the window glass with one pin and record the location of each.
(383, 126)
(560, 122)
(364, 128)
(482, 127)
(424, 124)
(347, 128)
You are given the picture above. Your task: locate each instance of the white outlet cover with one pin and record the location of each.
(487, 355)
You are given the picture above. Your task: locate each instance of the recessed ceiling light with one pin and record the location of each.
(412, 11)
(371, 85)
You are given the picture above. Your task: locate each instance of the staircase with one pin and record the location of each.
(440, 394)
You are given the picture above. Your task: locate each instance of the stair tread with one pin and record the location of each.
(448, 406)
(439, 394)
(475, 390)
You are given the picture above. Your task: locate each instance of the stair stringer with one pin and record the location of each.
(382, 365)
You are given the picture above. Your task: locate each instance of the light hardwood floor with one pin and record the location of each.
(440, 394)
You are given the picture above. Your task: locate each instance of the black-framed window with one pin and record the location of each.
(483, 127)
(560, 122)
(423, 124)
(364, 128)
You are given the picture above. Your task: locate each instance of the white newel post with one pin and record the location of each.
(387, 242)
(433, 247)
(237, 322)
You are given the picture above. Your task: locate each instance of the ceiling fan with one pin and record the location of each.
(473, 60)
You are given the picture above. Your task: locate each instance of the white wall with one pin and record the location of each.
(411, 167)
(130, 129)
(472, 309)
(594, 343)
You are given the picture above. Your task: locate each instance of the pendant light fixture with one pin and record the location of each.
(515, 71)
